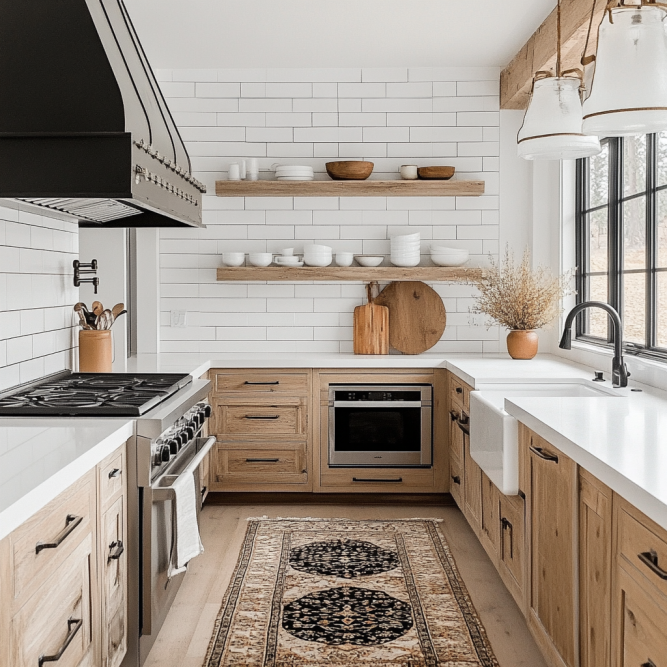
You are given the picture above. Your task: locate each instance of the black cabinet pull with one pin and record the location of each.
(262, 460)
(261, 383)
(71, 523)
(454, 415)
(360, 479)
(459, 390)
(262, 416)
(115, 550)
(73, 626)
(538, 451)
(204, 490)
(648, 663)
(508, 526)
(650, 559)
(463, 423)
(114, 473)
(456, 479)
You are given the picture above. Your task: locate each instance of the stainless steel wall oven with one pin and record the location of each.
(380, 426)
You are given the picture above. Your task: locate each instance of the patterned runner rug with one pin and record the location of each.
(343, 593)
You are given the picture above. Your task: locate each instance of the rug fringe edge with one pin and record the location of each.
(312, 518)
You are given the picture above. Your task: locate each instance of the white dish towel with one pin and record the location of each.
(187, 543)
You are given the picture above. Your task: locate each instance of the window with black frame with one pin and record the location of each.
(621, 216)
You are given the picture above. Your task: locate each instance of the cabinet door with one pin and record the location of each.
(552, 496)
(472, 488)
(490, 525)
(511, 546)
(594, 571)
(114, 585)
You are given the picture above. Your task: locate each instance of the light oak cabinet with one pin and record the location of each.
(63, 577)
(263, 425)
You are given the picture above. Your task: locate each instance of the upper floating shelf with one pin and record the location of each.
(354, 273)
(349, 188)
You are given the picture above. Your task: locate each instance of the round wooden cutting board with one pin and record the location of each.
(417, 316)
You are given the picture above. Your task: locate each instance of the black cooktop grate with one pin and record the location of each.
(91, 395)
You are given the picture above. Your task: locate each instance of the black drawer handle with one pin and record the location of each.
(454, 415)
(459, 390)
(71, 523)
(650, 559)
(262, 383)
(361, 479)
(648, 663)
(538, 451)
(456, 479)
(506, 524)
(463, 423)
(114, 473)
(262, 416)
(115, 550)
(73, 626)
(262, 460)
(204, 490)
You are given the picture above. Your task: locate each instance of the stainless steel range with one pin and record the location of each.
(170, 412)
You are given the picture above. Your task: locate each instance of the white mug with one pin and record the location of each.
(344, 258)
(242, 170)
(252, 172)
(287, 252)
(408, 172)
(234, 172)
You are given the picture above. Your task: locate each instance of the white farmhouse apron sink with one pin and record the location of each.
(494, 434)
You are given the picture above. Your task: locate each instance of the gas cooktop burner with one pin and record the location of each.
(91, 394)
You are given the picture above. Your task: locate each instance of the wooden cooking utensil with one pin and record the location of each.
(97, 308)
(117, 309)
(371, 327)
(417, 315)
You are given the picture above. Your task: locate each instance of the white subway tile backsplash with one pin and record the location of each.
(177, 89)
(308, 116)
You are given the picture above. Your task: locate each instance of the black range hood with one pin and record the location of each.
(84, 128)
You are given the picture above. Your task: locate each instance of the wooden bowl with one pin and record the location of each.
(435, 173)
(349, 170)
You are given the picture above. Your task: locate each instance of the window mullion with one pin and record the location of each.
(615, 236)
(583, 167)
(651, 245)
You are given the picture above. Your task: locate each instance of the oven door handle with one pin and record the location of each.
(167, 492)
(379, 404)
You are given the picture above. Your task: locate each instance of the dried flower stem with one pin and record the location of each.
(516, 297)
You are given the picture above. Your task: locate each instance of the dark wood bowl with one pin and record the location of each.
(349, 170)
(435, 173)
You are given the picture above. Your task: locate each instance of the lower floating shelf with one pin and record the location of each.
(352, 273)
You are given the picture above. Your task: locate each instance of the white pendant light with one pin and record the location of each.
(629, 91)
(552, 126)
(551, 129)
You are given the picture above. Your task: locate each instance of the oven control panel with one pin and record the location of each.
(375, 395)
(186, 429)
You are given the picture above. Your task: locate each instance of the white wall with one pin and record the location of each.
(390, 116)
(37, 335)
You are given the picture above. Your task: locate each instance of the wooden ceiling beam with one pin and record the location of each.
(539, 52)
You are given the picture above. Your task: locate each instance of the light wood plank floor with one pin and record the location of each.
(185, 635)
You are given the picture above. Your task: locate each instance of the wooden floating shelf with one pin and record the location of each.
(349, 188)
(357, 273)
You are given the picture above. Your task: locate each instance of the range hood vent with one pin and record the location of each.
(84, 128)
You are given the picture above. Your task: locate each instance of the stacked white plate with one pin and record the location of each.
(443, 256)
(288, 172)
(405, 249)
(317, 255)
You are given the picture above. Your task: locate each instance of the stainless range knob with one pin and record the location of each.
(174, 446)
(208, 411)
(165, 453)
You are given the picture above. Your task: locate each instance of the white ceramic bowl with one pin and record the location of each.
(442, 250)
(405, 261)
(403, 238)
(344, 258)
(449, 260)
(317, 261)
(316, 248)
(260, 258)
(369, 260)
(233, 258)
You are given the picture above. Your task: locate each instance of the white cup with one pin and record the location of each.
(242, 170)
(344, 258)
(234, 172)
(233, 258)
(252, 171)
(287, 252)
(408, 172)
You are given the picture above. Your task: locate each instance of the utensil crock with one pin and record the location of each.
(95, 351)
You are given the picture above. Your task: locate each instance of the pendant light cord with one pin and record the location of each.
(587, 60)
(558, 38)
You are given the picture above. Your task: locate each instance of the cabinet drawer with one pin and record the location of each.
(643, 640)
(382, 480)
(456, 435)
(43, 542)
(262, 465)
(459, 392)
(455, 479)
(59, 611)
(258, 419)
(643, 550)
(252, 381)
(112, 474)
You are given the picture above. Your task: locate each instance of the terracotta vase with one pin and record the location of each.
(522, 344)
(95, 352)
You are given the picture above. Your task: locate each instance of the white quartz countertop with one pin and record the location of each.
(40, 458)
(622, 441)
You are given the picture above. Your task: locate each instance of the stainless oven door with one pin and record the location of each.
(380, 433)
(158, 589)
